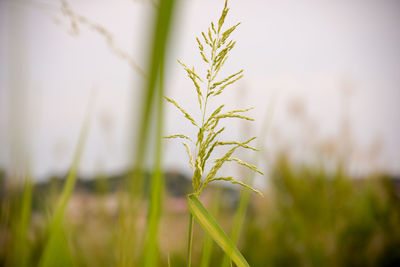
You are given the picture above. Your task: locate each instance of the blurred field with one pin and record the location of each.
(308, 217)
(327, 202)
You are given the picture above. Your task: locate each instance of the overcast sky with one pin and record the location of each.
(328, 57)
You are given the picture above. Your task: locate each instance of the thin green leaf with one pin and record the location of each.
(21, 250)
(208, 243)
(209, 224)
(161, 36)
(56, 241)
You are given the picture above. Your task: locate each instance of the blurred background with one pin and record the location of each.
(323, 77)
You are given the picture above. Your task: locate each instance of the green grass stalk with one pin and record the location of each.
(190, 241)
(21, 245)
(53, 248)
(163, 25)
(156, 190)
(210, 225)
(160, 39)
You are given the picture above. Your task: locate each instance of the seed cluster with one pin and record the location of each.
(214, 51)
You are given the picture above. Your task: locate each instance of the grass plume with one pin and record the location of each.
(214, 50)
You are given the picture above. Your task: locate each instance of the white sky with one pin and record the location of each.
(290, 50)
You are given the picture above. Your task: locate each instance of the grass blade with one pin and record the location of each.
(190, 241)
(157, 54)
(208, 243)
(209, 224)
(53, 246)
(165, 11)
(21, 251)
(156, 190)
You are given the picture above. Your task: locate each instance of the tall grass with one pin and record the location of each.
(310, 217)
(323, 218)
(153, 96)
(214, 49)
(55, 246)
(19, 215)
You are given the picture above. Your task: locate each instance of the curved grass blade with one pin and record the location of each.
(209, 224)
(208, 243)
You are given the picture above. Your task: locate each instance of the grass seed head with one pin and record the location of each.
(217, 46)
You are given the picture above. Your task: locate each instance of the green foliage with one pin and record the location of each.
(56, 248)
(311, 218)
(317, 218)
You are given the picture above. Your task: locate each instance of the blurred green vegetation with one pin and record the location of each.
(308, 217)
(317, 218)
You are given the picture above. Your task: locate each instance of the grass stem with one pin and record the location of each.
(190, 241)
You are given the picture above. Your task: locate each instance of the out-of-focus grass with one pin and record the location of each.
(55, 252)
(241, 211)
(309, 216)
(316, 218)
(15, 216)
(153, 97)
